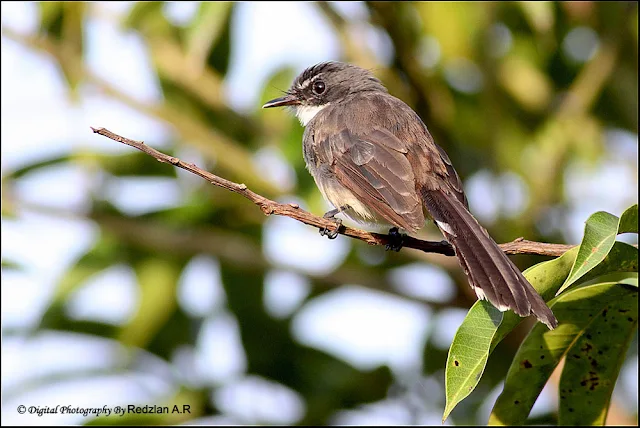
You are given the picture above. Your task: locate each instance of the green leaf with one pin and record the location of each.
(220, 52)
(57, 318)
(64, 22)
(630, 281)
(39, 164)
(10, 265)
(599, 252)
(539, 15)
(599, 236)
(622, 258)
(629, 220)
(578, 311)
(461, 380)
(593, 363)
(157, 279)
(104, 254)
(50, 17)
(466, 360)
(205, 29)
(132, 163)
(149, 20)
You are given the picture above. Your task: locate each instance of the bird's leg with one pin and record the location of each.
(396, 240)
(331, 215)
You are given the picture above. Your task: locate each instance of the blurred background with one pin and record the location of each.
(127, 281)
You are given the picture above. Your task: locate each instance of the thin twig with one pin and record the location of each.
(269, 207)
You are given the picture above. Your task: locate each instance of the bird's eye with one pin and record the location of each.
(318, 87)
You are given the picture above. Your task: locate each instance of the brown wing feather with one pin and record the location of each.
(381, 164)
(373, 167)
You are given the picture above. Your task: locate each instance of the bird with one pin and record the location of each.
(374, 160)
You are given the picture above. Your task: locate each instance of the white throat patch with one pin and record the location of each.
(306, 113)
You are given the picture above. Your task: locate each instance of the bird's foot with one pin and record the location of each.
(331, 215)
(396, 240)
(331, 234)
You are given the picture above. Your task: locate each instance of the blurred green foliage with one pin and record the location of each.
(538, 111)
(582, 318)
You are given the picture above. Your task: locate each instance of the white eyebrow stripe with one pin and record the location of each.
(305, 84)
(309, 81)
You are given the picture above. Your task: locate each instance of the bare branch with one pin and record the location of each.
(269, 207)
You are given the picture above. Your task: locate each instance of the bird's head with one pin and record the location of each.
(324, 84)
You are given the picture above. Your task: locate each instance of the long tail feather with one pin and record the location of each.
(491, 273)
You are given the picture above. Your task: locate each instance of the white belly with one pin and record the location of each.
(339, 196)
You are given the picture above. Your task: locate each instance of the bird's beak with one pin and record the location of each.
(287, 100)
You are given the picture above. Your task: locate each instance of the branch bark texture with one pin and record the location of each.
(269, 207)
